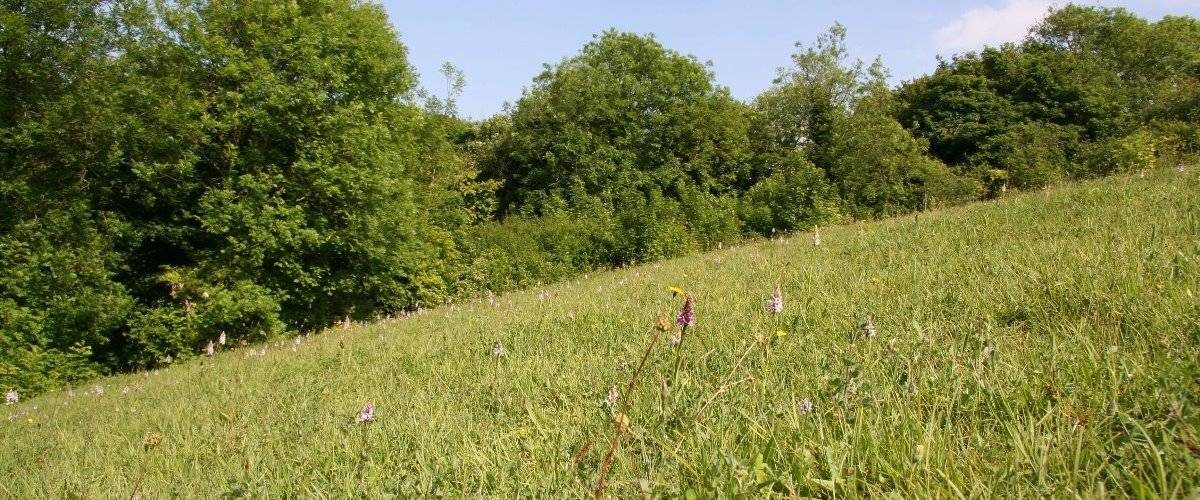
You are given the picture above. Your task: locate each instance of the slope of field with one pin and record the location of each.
(1044, 344)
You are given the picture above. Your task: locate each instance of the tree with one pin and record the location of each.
(625, 113)
(246, 167)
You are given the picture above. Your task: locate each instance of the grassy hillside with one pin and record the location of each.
(1045, 344)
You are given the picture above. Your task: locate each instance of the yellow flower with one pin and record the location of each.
(676, 291)
(781, 333)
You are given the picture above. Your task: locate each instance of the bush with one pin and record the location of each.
(1031, 154)
(61, 312)
(795, 196)
(1130, 153)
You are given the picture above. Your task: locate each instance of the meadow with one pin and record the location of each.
(1044, 344)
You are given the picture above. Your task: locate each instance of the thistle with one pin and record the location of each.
(868, 328)
(776, 303)
(11, 398)
(498, 350)
(367, 414)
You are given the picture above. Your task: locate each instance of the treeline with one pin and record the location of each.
(170, 171)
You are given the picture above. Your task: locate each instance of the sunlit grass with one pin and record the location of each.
(1041, 345)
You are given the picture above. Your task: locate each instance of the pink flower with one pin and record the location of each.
(11, 398)
(221, 338)
(208, 349)
(687, 315)
(776, 304)
(367, 414)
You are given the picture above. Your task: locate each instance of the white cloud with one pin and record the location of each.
(988, 25)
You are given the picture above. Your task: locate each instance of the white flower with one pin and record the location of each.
(498, 349)
(98, 390)
(367, 414)
(868, 328)
(208, 349)
(221, 338)
(806, 406)
(776, 303)
(11, 398)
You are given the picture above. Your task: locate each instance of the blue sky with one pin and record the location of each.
(500, 46)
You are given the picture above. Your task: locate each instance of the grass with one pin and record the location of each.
(1041, 345)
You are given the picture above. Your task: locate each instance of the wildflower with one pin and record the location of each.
(613, 395)
(780, 334)
(221, 338)
(677, 339)
(498, 350)
(676, 291)
(868, 328)
(367, 414)
(167, 360)
(776, 304)
(1179, 168)
(125, 390)
(806, 406)
(98, 390)
(295, 344)
(687, 315)
(816, 236)
(208, 349)
(70, 392)
(11, 398)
